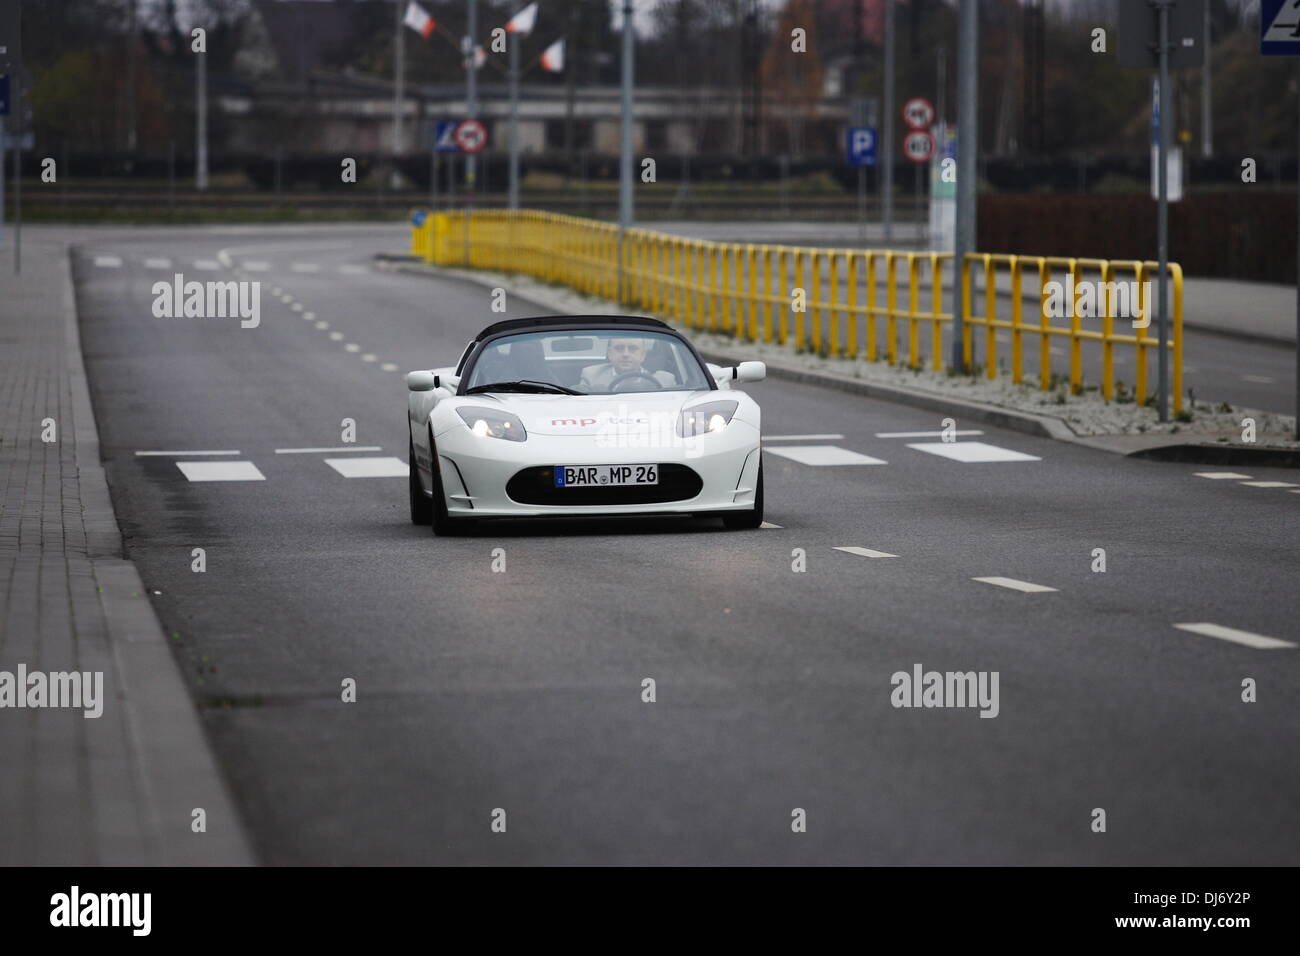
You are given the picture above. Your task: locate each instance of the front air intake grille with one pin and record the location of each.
(536, 486)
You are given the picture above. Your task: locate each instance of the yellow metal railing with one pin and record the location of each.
(835, 302)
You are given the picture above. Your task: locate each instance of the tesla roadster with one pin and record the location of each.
(583, 415)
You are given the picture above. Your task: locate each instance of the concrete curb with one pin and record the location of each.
(1240, 455)
(1043, 426)
(175, 767)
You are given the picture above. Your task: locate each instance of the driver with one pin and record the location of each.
(624, 356)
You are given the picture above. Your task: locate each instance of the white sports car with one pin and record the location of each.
(583, 415)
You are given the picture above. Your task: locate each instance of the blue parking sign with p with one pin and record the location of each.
(861, 144)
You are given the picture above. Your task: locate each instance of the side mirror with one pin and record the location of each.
(421, 381)
(751, 372)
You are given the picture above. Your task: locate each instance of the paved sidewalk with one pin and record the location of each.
(119, 789)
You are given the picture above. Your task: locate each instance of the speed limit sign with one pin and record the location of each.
(470, 136)
(918, 113)
(918, 146)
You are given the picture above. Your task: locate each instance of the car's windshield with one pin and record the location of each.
(589, 361)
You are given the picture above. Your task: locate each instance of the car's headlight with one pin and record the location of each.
(706, 418)
(493, 423)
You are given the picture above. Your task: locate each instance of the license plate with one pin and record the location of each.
(594, 476)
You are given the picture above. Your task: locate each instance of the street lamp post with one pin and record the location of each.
(625, 140)
(514, 42)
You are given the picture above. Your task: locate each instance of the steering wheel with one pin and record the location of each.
(628, 376)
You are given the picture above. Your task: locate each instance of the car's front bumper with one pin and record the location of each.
(476, 471)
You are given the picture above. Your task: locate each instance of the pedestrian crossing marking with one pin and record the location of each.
(971, 451)
(824, 455)
(369, 467)
(220, 471)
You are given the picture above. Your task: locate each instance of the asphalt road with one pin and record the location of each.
(522, 690)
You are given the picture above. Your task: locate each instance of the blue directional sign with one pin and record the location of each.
(4, 96)
(418, 216)
(1279, 28)
(444, 136)
(861, 146)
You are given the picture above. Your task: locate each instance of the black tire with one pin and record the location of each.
(444, 526)
(744, 520)
(421, 505)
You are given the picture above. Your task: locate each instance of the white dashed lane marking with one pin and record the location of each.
(802, 437)
(1258, 641)
(1258, 379)
(1269, 484)
(211, 265)
(369, 467)
(924, 434)
(336, 336)
(108, 262)
(353, 270)
(867, 552)
(157, 263)
(327, 451)
(257, 266)
(824, 455)
(220, 471)
(389, 367)
(1014, 585)
(182, 454)
(305, 267)
(971, 451)
(769, 526)
(1219, 474)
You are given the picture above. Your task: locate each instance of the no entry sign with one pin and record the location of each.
(470, 136)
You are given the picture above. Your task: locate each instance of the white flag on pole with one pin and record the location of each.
(523, 21)
(418, 20)
(553, 58)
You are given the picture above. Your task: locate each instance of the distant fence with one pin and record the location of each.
(835, 302)
(1238, 234)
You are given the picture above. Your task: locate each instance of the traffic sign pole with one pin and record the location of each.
(967, 170)
(887, 165)
(471, 96)
(1162, 217)
(860, 151)
(1277, 37)
(514, 41)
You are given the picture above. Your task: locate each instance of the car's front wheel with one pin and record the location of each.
(421, 505)
(444, 525)
(740, 520)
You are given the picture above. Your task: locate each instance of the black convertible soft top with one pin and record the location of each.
(543, 321)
